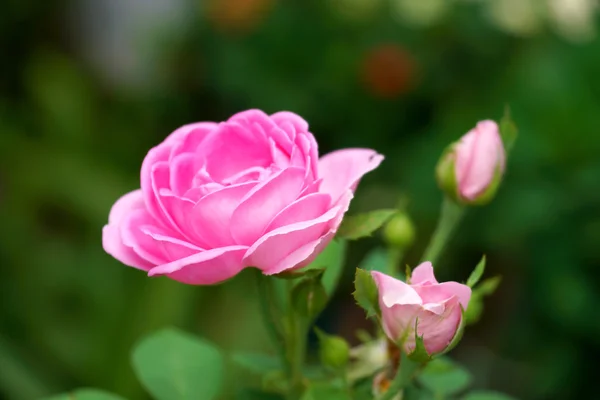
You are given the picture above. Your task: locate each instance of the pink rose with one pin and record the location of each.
(480, 157)
(436, 306)
(218, 197)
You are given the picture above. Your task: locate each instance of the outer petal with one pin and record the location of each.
(423, 275)
(478, 155)
(341, 170)
(263, 203)
(112, 241)
(285, 247)
(303, 209)
(204, 268)
(438, 330)
(443, 292)
(394, 292)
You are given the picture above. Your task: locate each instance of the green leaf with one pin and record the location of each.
(325, 392)
(309, 298)
(173, 365)
(332, 260)
(365, 293)
(363, 225)
(508, 130)
(377, 259)
(443, 377)
(256, 362)
(477, 273)
(250, 394)
(86, 394)
(487, 395)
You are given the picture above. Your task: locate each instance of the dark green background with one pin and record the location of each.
(72, 139)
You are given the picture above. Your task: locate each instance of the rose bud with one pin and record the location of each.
(216, 198)
(434, 308)
(471, 169)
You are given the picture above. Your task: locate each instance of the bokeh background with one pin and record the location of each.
(88, 86)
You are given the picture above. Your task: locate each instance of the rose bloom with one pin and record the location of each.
(435, 308)
(249, 192)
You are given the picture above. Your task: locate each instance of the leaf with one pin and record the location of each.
(477, 273)
(309, 298)
(508, 130)
(459, 332)
(487, 395)
(256, 362)
(86, 394)
(377, 259)
(366, 293)
(363, 225)
(325, 392)
(443, 377)
(332, 260)
(250, 394)
(173, 365)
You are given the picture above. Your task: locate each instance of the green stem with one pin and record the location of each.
(295, 349)
(450, 217)
(406, 371)
(395, 257)
(270, 312)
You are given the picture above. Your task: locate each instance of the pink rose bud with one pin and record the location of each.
(249, 192)
(470, 171)
(434, 308)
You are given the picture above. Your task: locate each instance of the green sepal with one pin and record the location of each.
(477, 273)
(508, 130)
(419, 353)
(363, 225)
(445, 173)
(366, 293)
(459, 331)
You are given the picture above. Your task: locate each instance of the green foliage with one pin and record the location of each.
(86, 394)
(365, 292)
(442, 377)
(363, 225)
(399, 231)
(256, 362)
(325, 392)
(332, 259)
(377, 259)
(174, 365)
(477, 273)
(486, 395)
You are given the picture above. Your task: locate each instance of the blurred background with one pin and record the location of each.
(88, 86)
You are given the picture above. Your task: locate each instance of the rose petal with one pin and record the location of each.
(172, 247)
(270, 251)
(444, 291)
(182, 171)
(143, 245)
(437, 330)
(394, 292)
(342, 169)
(423, 274)
(205, 268)
(211, 216)
(304, 209)
(232, 148)
(263, 202)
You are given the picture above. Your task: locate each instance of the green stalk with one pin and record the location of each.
(406, 371)
(450, 216)
(296, 349)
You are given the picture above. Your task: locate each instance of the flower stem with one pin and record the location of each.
(405, 373)
(270, 312)
(295, 350)
(450, 216)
